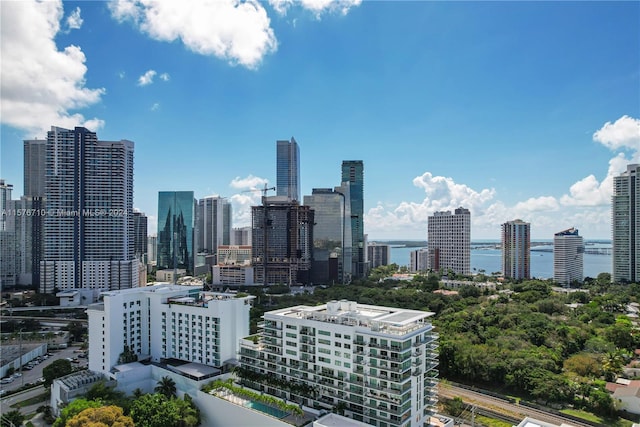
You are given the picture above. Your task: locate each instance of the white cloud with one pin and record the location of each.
(444, 194)
(537, 204)
(74, 21)
(249, 183)
(122, 74)
(250, 195)
(41, 86)
(623, 134)
(409, 220)
(238, 32)
(146, 78)
(155, 107)
(318, 7)
(164, 77)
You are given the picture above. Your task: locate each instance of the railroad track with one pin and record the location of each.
(505, 408)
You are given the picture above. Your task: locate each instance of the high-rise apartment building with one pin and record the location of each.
(332, 259)
(378, 363)
(568, 250)
(378, 254)
(353, 173)
(625, 223)
(419, 260)
(166, 322)
(516, 247)
(31, 240)
(140, 236)
(282, 241)
(35, 164)
(449, 241)
(288, 169)
(176, 221)
(241, 236)
(213, 224)
(8, 216)
(88, 227)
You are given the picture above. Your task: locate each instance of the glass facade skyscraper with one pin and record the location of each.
(176, 219)
(353, 173)
(288, 169)
(331, 235)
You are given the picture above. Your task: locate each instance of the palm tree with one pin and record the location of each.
(167, 387)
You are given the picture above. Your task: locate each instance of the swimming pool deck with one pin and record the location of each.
(242, 401)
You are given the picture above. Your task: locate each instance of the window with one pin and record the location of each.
(325, 333)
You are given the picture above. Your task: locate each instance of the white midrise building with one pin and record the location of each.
(163, 322)
(378, 364)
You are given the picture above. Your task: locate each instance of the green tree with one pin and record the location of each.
(99, 391)
(167, 387)
(12, 418)
(189, 412)
(76, 330)
(154, 410)
(454, 407)
(56, 369)
(612, 363)
(73, 409)
(584, 365)
(104, 416)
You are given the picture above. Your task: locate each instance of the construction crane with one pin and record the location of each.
(265, 225)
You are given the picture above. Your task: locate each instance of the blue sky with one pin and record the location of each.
(511, 109)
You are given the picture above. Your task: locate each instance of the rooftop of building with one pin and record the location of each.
(568, 232)
(80, 379)
(204, 298)
(396, 321)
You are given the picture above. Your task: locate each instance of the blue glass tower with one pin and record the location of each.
(288, 169)
(176, 218)
(353, 173)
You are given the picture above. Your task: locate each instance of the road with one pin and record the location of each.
(503, 406)
(31, 377)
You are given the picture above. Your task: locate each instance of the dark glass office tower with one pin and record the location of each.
(176, 219)
(353, 173)
(288, 169)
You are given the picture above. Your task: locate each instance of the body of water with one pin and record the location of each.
(490, 260)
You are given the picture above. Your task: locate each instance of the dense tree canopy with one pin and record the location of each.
(56, 369)
(104, 416)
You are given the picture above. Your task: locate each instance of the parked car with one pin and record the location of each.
(6, 380)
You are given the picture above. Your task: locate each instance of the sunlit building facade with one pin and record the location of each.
(568, 254)
(378, 363)
(88, 228)
(625, 223)
(449, 241)
(516, 247)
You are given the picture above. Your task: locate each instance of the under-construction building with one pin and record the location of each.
(282, 240)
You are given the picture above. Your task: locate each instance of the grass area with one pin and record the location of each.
(588, 416)
(492, 422)
(44, 397)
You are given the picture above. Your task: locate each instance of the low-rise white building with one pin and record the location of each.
(378, 364)
(163, 322)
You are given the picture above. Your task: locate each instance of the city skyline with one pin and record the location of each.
(475, 106)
